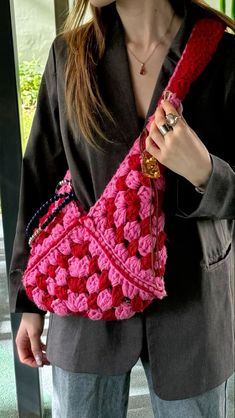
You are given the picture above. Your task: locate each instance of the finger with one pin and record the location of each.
(43, 346)
(45, 360)
(156, 136)
(36, 348)
(46, 363)
(24, 350)
(167, 108)
(160, 116)
(160, 120)
(27, 358)
(152, 148)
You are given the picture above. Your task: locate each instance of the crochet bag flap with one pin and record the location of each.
(109, 263)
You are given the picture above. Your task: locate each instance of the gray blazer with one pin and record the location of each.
(189, 334)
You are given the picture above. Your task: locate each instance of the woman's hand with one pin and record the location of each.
(180, 149)
(31, 349)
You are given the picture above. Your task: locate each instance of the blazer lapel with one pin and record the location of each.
(115, 79)
(116, 86)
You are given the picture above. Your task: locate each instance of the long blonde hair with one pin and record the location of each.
(86, 45)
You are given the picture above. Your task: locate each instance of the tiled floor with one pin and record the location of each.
(139, 402)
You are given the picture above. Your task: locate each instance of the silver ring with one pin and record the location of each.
(172, 119)
(164, 129)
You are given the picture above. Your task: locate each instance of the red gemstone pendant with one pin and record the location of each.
(142, 69)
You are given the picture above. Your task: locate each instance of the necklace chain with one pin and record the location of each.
(143, 63)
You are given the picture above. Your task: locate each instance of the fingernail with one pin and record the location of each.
(38, 359)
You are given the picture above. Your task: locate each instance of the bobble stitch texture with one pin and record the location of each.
(109, 263)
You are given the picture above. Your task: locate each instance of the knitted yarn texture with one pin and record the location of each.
(109, 263)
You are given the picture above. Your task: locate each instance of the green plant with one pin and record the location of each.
(30, 76)
(233, 9)
(27, 115)
(30, 73)
(223, 5)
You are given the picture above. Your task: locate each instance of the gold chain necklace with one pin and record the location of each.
(143, 63)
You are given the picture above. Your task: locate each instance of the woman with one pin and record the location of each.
(121, 65)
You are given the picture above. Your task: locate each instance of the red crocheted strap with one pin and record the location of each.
(201, 46)
(151, 288)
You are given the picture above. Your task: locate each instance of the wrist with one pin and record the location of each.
(201, 181)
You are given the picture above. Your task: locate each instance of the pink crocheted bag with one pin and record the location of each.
(109, 263)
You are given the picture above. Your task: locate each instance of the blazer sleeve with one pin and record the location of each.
(218, 200)
(43, 166)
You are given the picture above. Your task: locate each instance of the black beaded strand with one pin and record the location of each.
(42, 208)
(69, 196)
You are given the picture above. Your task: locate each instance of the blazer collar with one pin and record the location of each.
(115, 79)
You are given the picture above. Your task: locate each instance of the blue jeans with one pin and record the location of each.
(85, 395)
